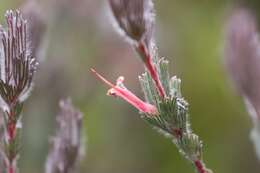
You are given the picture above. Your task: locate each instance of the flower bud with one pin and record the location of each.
(135, 18)
(17, 63)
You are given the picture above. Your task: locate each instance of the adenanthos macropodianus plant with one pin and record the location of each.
(135, 20)
(164, 107)
(67, 145)
(17, 67)
(242, 57)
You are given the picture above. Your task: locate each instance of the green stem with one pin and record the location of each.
(11, 143)
(200, 167)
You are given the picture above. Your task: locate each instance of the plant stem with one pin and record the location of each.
(11, 169)
(147, 59)
(200, 167)
(11, 142)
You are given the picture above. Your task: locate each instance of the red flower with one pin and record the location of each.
(119, 90)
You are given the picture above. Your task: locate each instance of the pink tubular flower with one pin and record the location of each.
(120, 90)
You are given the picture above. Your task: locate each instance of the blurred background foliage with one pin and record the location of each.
(190, 34)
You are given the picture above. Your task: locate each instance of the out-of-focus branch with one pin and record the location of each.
(242, 57)
(1, 139)
(67, 145)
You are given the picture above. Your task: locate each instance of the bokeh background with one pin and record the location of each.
(80, 35)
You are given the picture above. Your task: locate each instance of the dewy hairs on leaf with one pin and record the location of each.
(164, 109)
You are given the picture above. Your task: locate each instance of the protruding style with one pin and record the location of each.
(119, 90)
